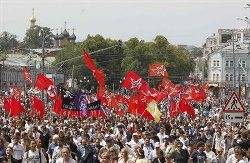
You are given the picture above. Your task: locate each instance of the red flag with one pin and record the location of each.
(51, 91)
(13, 106)
(38, 106)
(100, 77)
(184, 106)
(166, 85)
(157, 69)
(89, 61)
(58, 105)
(101, 95)
(138, 107)
(7, 105)
(133, 81)
(42, 82)
(173, 109)
(198, 94)
(26, 74)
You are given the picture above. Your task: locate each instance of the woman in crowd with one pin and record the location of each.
(8, 156)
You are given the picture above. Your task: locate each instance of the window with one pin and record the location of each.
(214, 63)
(231, 77)
(217, 77)
(243, 64)
(243, 77)
(227, 64)
(213, 77)
(231, 63)
(218, 63)
(227, 77)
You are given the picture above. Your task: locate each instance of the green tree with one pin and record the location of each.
(7, 42)
(196, 52)
(34, 37)
(108, 60)
(134, 55)
(139, 54)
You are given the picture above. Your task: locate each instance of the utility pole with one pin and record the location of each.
(73, 82)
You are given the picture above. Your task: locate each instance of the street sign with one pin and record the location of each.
(234, 110)
(233, 117)
(234, 104)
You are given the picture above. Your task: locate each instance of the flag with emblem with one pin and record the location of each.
(157, 69)
(42, 82)
(133, 81)
(152, 108)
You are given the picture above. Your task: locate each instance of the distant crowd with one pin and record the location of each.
(126, 139)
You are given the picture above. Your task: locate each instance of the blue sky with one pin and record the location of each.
(181, 21)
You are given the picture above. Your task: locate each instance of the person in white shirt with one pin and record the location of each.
(134, 142)
(34, 155)
(66, 157)
(218, 140)
(18, 150)
(157, 148)
(161, 135)
(148, 149)
(237, 156)
(209, 153)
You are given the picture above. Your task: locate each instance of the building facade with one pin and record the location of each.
(11, 70)
(229, 68)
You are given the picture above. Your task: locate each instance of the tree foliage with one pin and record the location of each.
(34, 37)
(8, 42)
(135, 55)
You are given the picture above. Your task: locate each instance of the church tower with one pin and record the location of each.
(33, 19)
